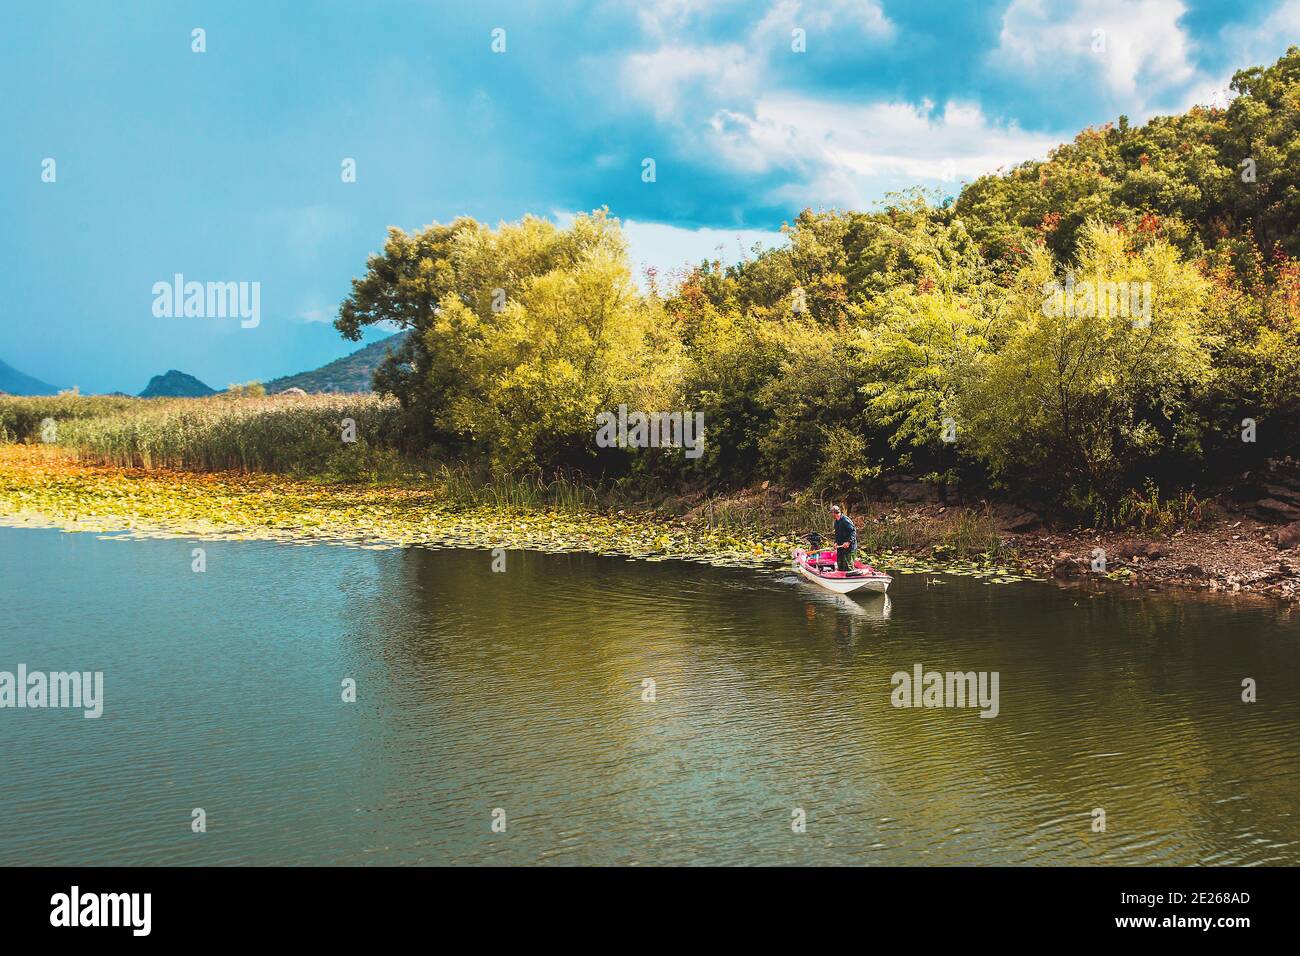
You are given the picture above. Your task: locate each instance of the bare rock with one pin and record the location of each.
(1064, 566)
(1151, 550)
(1271, 509)
(1014, 518)
(1289, 537)
(913, 491)
(1283, 493)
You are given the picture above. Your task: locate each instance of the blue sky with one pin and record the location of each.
(225, 165)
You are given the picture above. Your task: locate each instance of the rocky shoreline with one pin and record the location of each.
(1247, 541)
(1232, 557)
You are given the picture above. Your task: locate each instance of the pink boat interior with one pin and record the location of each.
(823, 563)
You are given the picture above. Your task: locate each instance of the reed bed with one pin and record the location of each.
(748, 517)
(298, 435)
(964, 533)
(21, 417)
(466, 487)
(295, 434)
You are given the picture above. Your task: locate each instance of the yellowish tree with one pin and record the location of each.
(1098, 370)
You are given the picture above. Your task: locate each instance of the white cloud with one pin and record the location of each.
(670, 20)
(866, 17)
(665, 78)
(847, 152)
(663, 18)
(723, 101)
(684, 74)
(1267, 39)
(670, 248)
(1136, 48)
(905, 139)
(1245, 45)
(1206, 92)
(1262, 42)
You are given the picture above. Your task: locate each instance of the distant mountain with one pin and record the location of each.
(176, 385)
(16, 383)
(352, 373)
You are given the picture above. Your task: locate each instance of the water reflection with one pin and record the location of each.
(525, 691)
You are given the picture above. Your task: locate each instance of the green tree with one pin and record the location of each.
(1082, 397)
(522, 333)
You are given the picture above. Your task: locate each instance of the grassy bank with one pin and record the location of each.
(300, 438)
(300, 435)
(276, 468)
(44, 486)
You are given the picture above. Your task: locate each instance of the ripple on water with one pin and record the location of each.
(526, 691)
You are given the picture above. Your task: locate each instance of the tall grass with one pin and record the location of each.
(965, 533)
(741, 518)
(464, 486)
(21, 417)
(299, 434)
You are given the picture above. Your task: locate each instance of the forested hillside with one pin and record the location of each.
(351, 373)
(1124, 315)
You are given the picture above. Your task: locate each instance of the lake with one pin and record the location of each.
(520, 698)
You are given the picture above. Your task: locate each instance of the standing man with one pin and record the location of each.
(846, 539)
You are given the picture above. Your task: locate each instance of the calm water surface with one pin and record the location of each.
(522, 691)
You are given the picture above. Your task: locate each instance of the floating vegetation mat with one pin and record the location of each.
(41, 488)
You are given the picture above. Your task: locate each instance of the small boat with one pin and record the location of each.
(819, 567)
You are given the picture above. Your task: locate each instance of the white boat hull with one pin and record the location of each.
(870, 581)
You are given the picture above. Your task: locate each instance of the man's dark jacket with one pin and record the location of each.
(846, 532)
